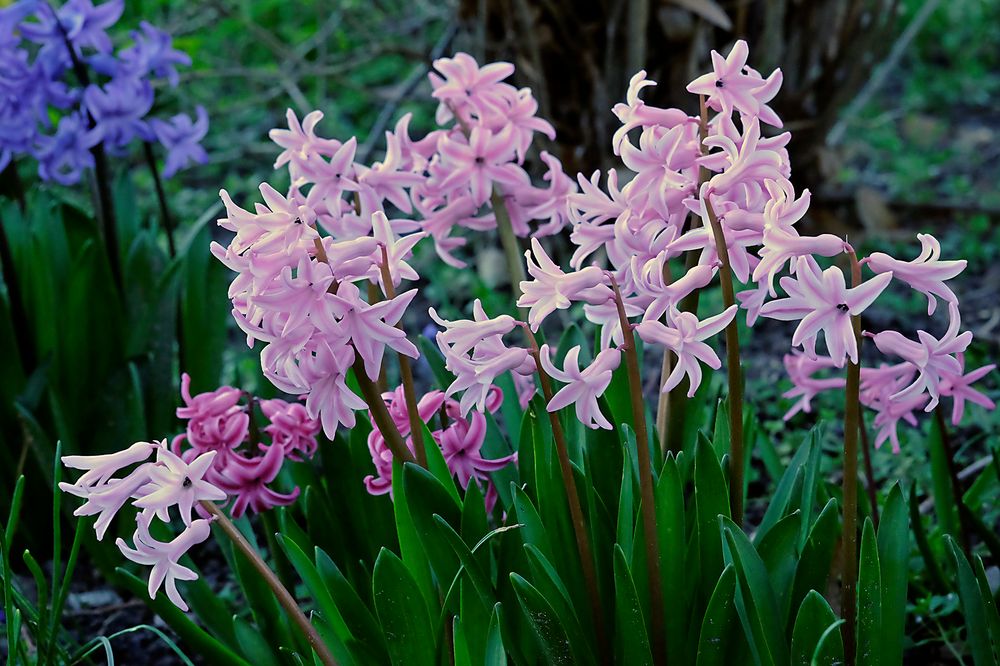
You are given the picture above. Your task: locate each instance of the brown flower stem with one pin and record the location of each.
(870, 486)
(734, 371)
(102, 176)
(645, 480)
(406, 374)
(663, 401)
(281, 593)
(575, 509)
(384, 422)
(956, 483)
(852, 426)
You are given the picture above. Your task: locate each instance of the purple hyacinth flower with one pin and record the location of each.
(10, 19)
(80, 21)
(153, 53)
(118, 109)
(180, 137)
(63, 156)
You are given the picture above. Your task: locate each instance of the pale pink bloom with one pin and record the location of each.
(727, 87)
(391, 178)
(932, 357)
(465, 82)
(824, 304)
(478, 162)
(397, 250)
(291, 428)
(636, 113)
(752, 300)
(958, 387)
(372, 328)
(100, 468)
(783, 244)
(352, 258)
(801, 370)
(551, 289)
(583, 387)
(685, 337)
(173, 482)
(927, 273)
(520, 115)
(750, 162)
(891, 413)
(525, 387)
(650, 282)
(247, 479)
(331, 179)
(300, 292)
(460, 336)
(300, 142)
(765, 94)
(658, 176)
(329, 399)
(554, 205)
(606, 316)
(164, 556)
(591, 204)
(475, 376)
(282, 225)
(106, 499)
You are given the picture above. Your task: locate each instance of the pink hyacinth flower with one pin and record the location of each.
(173, 482)
(460, 336)
(933, 357)
(727, 87)
(958, 387)
(685, 337)
(163, 556)
(824, 304)
(583, 387)
(99, 469)
(801, 370)
(460, 445)
(291, 428)
(551, 289)
(480, 161)
(927, 273)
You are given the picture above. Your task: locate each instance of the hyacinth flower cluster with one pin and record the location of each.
(65, 89)
(214, 460)
(460, 437)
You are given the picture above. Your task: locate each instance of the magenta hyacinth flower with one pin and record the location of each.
(824, 304)
(583, 387)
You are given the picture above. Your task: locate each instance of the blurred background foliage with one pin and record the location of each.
(893, 108)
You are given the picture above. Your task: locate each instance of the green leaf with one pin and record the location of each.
(869, 598)
(779, 551)
(253, 645)
(495, 655)
(761, 606)
(632, 638)
(894, 560)
(813, 567)
(934, 572)
(321, 595)
(794, 476)
(193, 636)
(815, 618)
(551, 586)
(425, 497)
(720, 628)
(941, 481)
(711, 496)
(548, 630)
(402, 612)
(973, 609)
(989, 603)
(358, 618)
(673, 544)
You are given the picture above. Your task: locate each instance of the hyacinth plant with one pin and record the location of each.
(533, 506)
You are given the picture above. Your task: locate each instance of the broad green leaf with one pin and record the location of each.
(549, 632)
(549, 585)
(632, 637)
(495, 655)
(973, 609)
(934, 572)
(869, 598)
(193, 636)
(814, 564)
(814, 619)
(356, 614)
(402, 613)
(894, 561)
(673, 544)
(253, 645)
(711, 500)
(779, 551)
(721, 632)
(944, 504)
(762, 613)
